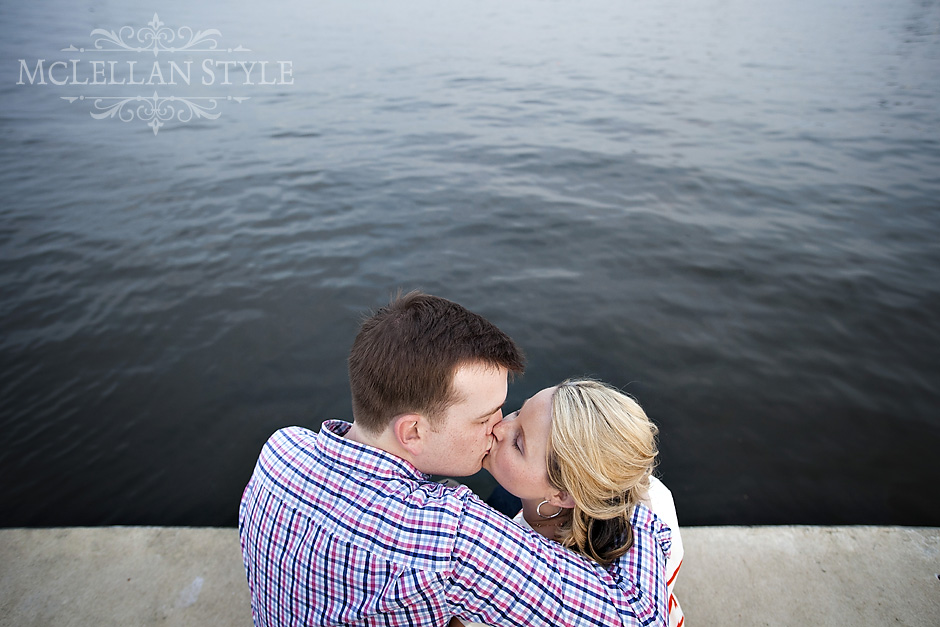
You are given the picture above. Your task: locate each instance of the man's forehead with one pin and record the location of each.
(480, 384)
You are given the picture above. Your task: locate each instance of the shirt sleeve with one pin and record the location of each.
(663, 505)
(502, 574)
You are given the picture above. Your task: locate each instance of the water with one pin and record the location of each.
(730, 209)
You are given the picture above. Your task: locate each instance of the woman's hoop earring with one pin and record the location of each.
(538, 510)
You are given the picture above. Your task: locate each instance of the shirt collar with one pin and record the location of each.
(362, 457)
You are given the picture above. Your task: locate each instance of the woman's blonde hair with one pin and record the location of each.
(602, 451)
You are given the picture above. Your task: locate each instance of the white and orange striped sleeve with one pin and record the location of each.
(660, 501)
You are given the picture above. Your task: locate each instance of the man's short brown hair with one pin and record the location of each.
(406, 354)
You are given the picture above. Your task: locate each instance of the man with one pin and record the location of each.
(344, 527)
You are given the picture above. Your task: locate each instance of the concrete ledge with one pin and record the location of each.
(810, 576)
(730, 576)
(122, 576)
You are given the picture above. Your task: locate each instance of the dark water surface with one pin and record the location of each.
(729, 208)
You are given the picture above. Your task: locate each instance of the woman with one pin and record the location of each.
(580, 457)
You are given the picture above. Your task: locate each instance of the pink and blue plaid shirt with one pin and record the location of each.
(334, 532)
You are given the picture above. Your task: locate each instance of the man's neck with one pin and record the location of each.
(360, 435)
(384, 441)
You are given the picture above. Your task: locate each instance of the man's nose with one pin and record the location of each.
(496, 419)
(497, 429)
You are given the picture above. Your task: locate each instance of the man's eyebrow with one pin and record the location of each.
(492, 411)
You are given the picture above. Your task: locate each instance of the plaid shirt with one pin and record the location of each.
(334, 532)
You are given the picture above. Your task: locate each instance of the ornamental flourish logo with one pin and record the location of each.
(128, 67)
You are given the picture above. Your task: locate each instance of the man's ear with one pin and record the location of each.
(561, 499)
(408, 429)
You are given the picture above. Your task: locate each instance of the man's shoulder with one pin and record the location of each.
(296, 448)
(291, 437)
(305, 436)
(373, 502)
(295, 435)
(287, 448)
